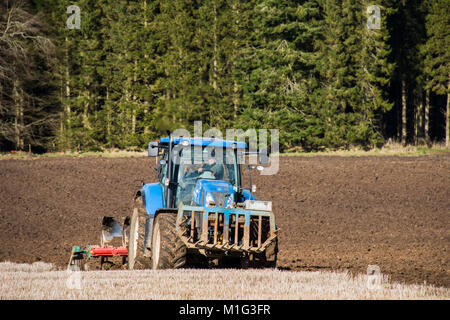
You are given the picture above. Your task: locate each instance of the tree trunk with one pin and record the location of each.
(214, 75)
(403, 119)
(133, 112)
(146, 110)
(16, 128)
(133, 121)
(62, 134)
(427, 118)
(108, 118)
(21, 122)
(18, 117)
(235, 94)
(86, 123)
(235, 99)
(416, 121)
(108, 124)
(146, 103)
(68, 113)
(447, 120)
(420, 119)
(127, 112)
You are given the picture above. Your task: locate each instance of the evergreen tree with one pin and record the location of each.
(437, 56)
(312, 69)
(354, 71)
(277, 70)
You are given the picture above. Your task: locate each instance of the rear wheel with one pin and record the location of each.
(138, 258)
(266, 259)
(168, 250)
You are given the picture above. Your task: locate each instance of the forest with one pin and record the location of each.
(91, 75)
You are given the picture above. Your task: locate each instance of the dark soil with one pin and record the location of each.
(335, 213)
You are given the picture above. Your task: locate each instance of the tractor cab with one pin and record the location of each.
(214, 181)
(201, 172)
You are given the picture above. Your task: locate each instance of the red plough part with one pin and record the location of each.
(112, 232)
(108, 251)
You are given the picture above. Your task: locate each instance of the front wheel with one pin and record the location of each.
(267, 259)
(168, 250)
(271, 255)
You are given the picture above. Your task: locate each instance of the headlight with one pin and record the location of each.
(209, 198)
(258, 205)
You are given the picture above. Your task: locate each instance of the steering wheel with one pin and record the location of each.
(204, 175)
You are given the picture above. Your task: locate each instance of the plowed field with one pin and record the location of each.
(335, 213)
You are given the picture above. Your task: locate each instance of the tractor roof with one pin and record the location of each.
(207, 142)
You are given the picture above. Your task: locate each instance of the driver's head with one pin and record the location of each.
(210, 155)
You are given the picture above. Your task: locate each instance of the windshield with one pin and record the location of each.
(212, 163)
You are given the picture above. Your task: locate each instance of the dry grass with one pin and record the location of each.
(40, 281)
(113, 153)
(388, 149)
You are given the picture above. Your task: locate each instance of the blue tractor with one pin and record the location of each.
(198, 213)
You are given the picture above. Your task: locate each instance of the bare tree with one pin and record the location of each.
(20, 42)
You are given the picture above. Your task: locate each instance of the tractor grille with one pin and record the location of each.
(220, 198)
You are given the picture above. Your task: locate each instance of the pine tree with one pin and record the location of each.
(277, 70)
(406, 34)
(374, 71)
(125, 72)
(437, 56)
(353, 71)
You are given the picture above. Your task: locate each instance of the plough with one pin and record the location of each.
(112, 231)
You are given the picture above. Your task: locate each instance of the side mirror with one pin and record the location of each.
(263, 156)
(153, 149)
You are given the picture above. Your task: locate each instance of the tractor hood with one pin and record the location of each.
(218, 191)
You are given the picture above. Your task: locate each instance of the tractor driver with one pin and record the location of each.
(212, 166)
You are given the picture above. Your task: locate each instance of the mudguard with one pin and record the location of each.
(152, 198)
